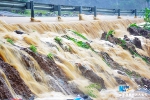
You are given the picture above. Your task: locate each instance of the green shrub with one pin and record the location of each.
(80, 35)
(33, 48)
(91, 88)
(111, 32)
(133, 25)
(50, 56)
(147, 15)
(58, 40)
(123, 43)
(10, 41)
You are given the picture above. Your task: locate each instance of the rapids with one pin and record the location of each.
(60, 75)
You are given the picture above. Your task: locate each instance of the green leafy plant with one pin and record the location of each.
(133, 25)
(91, 89)
(122, 43)
(147, 15)
(50, 56)
(80, 35)
(137, 55)
(79, 43)
(58, 40)
(33, 48)
(111, 32)
(146, 26)
(10, 41)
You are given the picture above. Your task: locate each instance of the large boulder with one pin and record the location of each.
(89, 74)
(137, 43)
(4, 90)
(15, 81)
(138, 31)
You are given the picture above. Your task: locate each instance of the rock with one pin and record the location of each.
(120, 81)
(19, 32)
(121, 73)
(126, 38)
(103, 37)
(4, 91)
(75, 88)
(58, 77)
(133, 31)
(143, 82)
(15, 80)
(89, 74)
(86, 97)
(139, 32)
(137, 43)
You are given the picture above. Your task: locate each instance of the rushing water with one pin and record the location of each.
(42, 36)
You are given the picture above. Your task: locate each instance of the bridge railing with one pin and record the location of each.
(7, 4)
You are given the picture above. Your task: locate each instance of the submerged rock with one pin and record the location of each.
(137, 43)
(89, 74)
(58, 79)
(138, 31)
(19, 32)
(120, 81)
(15, 80)
(4, 91)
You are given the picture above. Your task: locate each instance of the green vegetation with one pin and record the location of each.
(79, 43)
(137, 55)
(10, 41)
(132, 73)
(122, 43)
(50, 56)
(146, 26)
(33, 48)
(58, 40)
(147, 15)
(91, 89)
(106, 62)
(111, 32)
(133, 25)
(80, 35)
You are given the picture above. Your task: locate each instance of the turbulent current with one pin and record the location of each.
(49, 60)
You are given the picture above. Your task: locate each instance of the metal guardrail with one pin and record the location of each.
(7, 4)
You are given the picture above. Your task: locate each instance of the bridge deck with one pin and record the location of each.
(65, 19)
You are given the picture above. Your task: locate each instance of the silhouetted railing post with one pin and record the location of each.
(59, 12)
(80, 12)
(32, 9)
(119, 13)
(135, 12)
(95, 12)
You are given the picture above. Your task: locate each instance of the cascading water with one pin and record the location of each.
(65, 65)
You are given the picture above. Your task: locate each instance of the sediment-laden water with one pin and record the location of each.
(52, 59)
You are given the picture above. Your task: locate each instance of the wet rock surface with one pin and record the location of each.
(127, 45)
(114, 65)
(137, 43)
(15, 80)
(143, 82)
(89, 74)
(138, 31)
(19, 32)
(57, 75)
(4, 91)
(120, 81)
